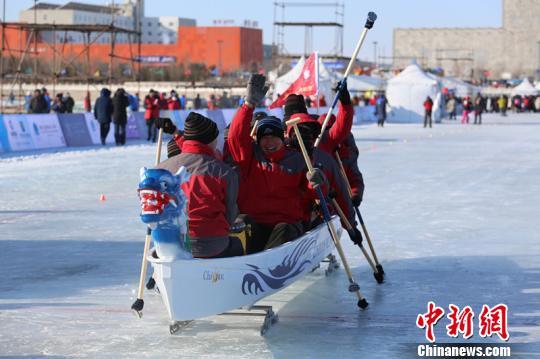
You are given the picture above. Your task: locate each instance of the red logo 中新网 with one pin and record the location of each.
(491, 321)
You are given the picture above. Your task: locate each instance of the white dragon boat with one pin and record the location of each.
(194, 288)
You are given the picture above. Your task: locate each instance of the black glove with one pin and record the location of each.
(316, 178)
(256, 90)
(166, 124)
(356, 200)
(356, 236)
(173, 149)
(344, 95)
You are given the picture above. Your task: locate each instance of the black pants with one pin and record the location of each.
(104, 131)
(477, 116)
(266, 237)
(120, 134)
(234, 249)
(427, 119)
(380, 121)
(453, 115)
(152, 130)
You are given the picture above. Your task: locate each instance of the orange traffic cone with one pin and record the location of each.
(102, 198)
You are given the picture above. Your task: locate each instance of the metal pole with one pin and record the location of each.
(139, 45)
(220, 43)
(375, 53)
(2, 59)
(35, 42)
(54, 61)
(112, 35)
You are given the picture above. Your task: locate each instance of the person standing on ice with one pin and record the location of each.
(273, 183)
(120, 103)
(37, 103)
(451, 107)
(151, 114)
(87, 102)
(103, 109)
(478, 109)
(467, 107)
(212, 189)
(380, 110)
(428, 107)
(503, 104)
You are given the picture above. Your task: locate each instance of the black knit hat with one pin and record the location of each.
(200, 128)
(172, 149)
(294, 104)
(257, 116)
(270, 125)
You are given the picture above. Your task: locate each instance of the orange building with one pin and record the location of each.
(228, 48)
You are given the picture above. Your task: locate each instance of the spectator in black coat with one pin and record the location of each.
(103, 109)
(120, 102)
(69, 102)
(37, 103)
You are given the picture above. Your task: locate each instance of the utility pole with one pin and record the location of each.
(375, 53)
(35, 42)
(112, 43)
(220, 43)
(2, 58)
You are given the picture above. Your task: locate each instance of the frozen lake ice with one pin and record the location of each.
(453, 212)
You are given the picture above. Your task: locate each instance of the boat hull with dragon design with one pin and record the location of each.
(193, 288)
(196, 288)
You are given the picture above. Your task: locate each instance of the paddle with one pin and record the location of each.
(349, 228)
(371, 17)
(138, 305)
(353, 286)
(379, 274)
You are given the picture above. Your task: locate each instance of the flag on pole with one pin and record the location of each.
(306, 84)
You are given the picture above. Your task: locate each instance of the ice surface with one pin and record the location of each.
(453, 212)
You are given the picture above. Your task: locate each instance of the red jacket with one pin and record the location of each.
(428, 105)
(330, 167)
(339, 130)
(212, 193)
(272, 189)
(151, 104)
(348, 152)
(173, 104)
(326, 162)
(163, 103)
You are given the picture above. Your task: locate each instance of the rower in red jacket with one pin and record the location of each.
(273, 184)
(309, 129)
(211, 190)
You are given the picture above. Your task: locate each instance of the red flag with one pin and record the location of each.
(306, 84)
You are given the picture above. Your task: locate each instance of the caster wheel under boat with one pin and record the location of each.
(177, 326)
(270, 319)
(333, 264)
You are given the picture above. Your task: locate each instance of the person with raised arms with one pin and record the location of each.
(273, 182)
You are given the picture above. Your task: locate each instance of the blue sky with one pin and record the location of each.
(391, 13)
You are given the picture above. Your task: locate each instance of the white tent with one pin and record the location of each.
(282, 83)
(525, 88)
(458, 87)
(407, 92)
(327, 81)
(362, 83)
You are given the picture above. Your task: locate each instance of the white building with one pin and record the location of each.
(467, 52)
(154, 30)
